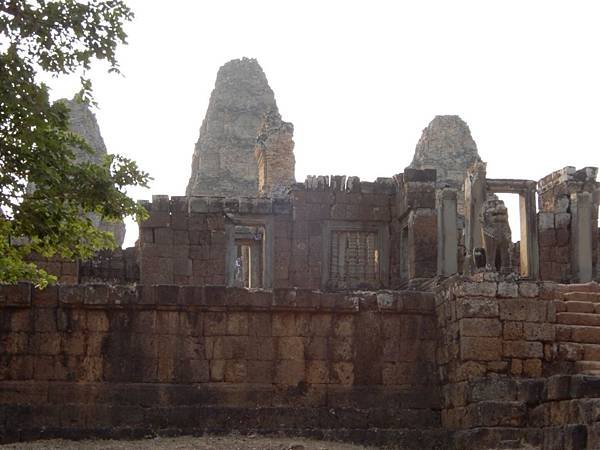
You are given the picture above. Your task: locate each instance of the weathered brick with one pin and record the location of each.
(480, 348)
(480, 327)
(523, 349)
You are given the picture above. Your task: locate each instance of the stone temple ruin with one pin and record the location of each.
(395, 312)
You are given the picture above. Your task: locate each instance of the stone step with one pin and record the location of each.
(577, 318)
(578, 334)
(576, 351)
(580, 307)
(583, 287)
(593, 297)
(587, 367)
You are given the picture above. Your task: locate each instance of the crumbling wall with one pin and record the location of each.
(413, 229)
(562, 230)
(120, 361)
(274, 153)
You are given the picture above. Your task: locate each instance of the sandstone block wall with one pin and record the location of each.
(324, 204)
(185, 240)
(503, 353)
(413, 227)
(94, 359)
(557, 222)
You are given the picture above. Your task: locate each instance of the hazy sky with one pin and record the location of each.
(360, 80)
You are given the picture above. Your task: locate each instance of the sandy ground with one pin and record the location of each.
(188, 443)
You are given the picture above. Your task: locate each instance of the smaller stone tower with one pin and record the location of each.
(274, 153)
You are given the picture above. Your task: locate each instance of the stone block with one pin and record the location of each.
(343, 325)
(528, 289)
(486, 389)
(290, 348)
(507, 289)
(342, 373)
(532, 368)
(289, 372)
(317, 372)
(317, 348)
(45, 297)
(476, 307)
(72, 295)
(523, 310)
(513, 331)
(562, 220)
(538, 331)
(235, 371)
(215, 324)
(480, 327)
(477, 289)
(523, 349)
(480, 348)
(545, 220)
(558, 387)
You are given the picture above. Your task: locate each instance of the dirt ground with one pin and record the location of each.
(188, 443)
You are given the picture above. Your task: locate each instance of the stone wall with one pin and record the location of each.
(565, 249)
(188, 240)
(503, 355)
(121, 361)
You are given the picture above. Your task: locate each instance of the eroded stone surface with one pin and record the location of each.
(275, 155)
(224, 162)
(83, 122)
(447, 146)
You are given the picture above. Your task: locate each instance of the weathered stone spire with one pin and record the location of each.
(447, 146)
(224, 159)
(82, 121)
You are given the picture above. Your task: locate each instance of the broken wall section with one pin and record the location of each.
(568, 225)
(414, 227)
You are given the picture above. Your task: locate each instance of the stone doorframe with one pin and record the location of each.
(383, 242)
(529, 248)
(249, 220)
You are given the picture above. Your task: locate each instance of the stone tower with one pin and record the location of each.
(446, 145)
(275, 156)
(82, 121)
(224, 162)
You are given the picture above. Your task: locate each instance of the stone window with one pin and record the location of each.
(355, 255)
(248, 264)
(249, 252)
(354, 259)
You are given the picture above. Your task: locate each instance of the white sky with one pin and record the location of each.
(360, 80)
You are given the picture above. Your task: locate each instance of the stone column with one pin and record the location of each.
(475, 195)
(529, 249)
(582, 232)
(447, 232)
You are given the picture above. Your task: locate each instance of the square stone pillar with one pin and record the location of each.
(447, 232)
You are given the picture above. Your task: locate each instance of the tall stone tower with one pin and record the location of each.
(82, 121)
(447, 146)
(224, 161)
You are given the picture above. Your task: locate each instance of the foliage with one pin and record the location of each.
(45, 194)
